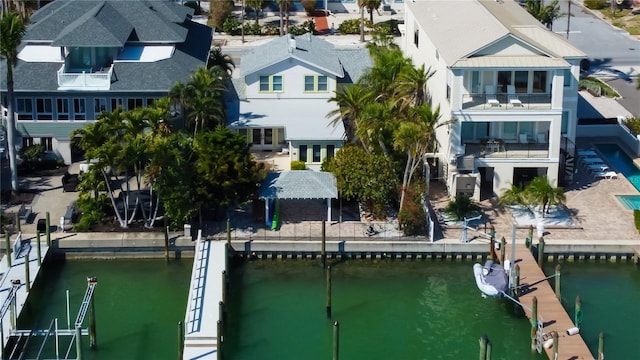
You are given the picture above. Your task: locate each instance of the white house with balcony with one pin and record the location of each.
(280, 96)
(510, 84)
(81, 57)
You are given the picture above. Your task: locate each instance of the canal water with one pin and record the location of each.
(386, 310)
(138, 305)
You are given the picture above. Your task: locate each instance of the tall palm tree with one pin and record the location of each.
(546, 14)
(256, 5)
(540, 192)
(372, 5)
(361, 5)
(351, 101)
(12, 28)
(412, 85)
(221, 60)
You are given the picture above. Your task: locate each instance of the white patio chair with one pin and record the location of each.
(511, 95)
(490, 92)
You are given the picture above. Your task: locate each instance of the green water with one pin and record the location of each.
(138, 304)
(388, 310)
(610, 295)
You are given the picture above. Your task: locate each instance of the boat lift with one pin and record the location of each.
(466, 227)
(20, 346)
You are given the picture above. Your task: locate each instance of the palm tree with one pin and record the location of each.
(361, 5)
(12, 28)
(256, 5)
(351, 101)
(540, 192)
(460, 207)
(412, 85)
(223, 61)
(371, 6)
(513, 196)
(546, 14)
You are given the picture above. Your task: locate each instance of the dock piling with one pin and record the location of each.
(328, 291)
(78, 343)
(27, 274)
(38, 248)
(7, 247)
(323, 251)
(180, 340)
(229, 232)
(601, 346)
(18, 222)
(483, 347)
(93, 340)
(577, 318)
(540, 251)
(336, 340)
(166, 243)
(555, 344)
(529, 239)
(534, 323)
(224, 286)
(219, 341)
(48, 230)
(557, 287)
(503, 249)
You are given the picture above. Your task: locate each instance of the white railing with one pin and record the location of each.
(99, 80)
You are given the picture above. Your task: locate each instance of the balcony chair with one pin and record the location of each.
(541, 139)
(490, 92)
(523, 139)
(511, 95)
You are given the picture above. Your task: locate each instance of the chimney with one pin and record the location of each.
(292, 44)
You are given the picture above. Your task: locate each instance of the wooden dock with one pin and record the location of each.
(550, 309)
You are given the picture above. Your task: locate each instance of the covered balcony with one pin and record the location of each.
(88, 79)
(524, 140)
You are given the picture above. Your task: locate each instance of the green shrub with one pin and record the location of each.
(389, 27)
(595, 4)
(598, 87)
(636, 219)
(351, 26)
(306, 27)
(412, 216)
(219, 12)
(634, 125)
(93, 211)
(32, 153)
(231, 26)
(298, 165)
(460, 207)
(252, 29)
(271, 30)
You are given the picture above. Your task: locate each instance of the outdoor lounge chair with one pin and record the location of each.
(511, 95)
(609, 175)
(490, 92)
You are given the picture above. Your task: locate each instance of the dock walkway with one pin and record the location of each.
(550, 309)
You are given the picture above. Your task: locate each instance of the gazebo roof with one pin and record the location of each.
(299, 184)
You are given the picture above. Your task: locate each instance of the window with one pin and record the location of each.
(243, 132)
(62, 107)
(99, 105)
(316, 153)
(26, 142)
(150, 101)
(331, 151)
(133, 103)
(567, 77)
(521, 81)
(302, 155)
(564, 127)
(25, 108)
(79, 109)
(44, 109)
(504, 79)
(116, 102)
(315, 83)
(271, 83)
(416, 37)
(47, 142)
(539, 81)
(281, 139)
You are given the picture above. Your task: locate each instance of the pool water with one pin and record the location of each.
(631, 202)
(621, 162)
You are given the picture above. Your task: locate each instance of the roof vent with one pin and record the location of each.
(292, 44)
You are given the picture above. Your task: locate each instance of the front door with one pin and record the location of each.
(262, 139)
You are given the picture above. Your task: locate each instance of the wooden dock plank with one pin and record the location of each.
(549, 307)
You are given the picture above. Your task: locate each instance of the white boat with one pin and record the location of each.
(491, 278)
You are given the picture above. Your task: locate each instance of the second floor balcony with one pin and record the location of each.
(87, 79)
(505, 102)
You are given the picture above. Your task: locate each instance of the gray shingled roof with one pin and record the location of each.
(299, 184)
(102, 26)
(151, 20)
(308, 49)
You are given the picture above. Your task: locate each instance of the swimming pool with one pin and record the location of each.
(621, 162)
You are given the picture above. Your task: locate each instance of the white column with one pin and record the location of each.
(329, 210)
(266, 211)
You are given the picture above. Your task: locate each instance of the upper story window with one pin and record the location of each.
(567, 77)
(24, 108)
(44, 109)
(315, 83)
(62, 107)
(115, 102)
(272, 83)
(539, 82)
(99, 105)
(47, 142)
(133, 103)
(79, 109)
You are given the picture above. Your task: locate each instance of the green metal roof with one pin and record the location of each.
(299, 184)
(58, 130)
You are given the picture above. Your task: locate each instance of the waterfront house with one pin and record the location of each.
(279, 99)
(81, 57)
(510, 83)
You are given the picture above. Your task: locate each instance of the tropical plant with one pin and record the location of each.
(361, 6)
(460, 207)
(371, 6)
(351, 101)
(221, 60)
(220, 10)
(256, 5)
(349, 27)
(541, 193)
(515, 195)
(32, 154)
(12, 28)
(309, 6)
(546, 14)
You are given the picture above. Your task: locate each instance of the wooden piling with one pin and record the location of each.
(7, 247)
(78, 343)
(483, 347)
(601, 346)
(555, 344)
(18, 222)
(336, 340)
(503, 249)
(219, 341)
(180, 340)
(529, 240)
(540, 251)
(323, 251)
(38, 248)
(577, 317)
(516, 280)
(328, 271)
(48, 229)
(166, 243)
(224, 286)
(93, 339)
(27, 274)
(488, 357)
(557, 287)
(229, 232)
(492, 250)
(534, 322)
(221, 312)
